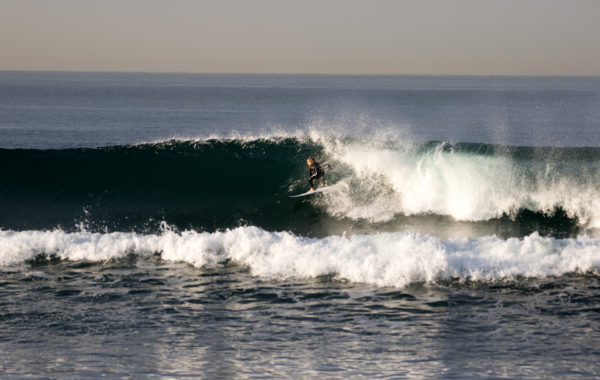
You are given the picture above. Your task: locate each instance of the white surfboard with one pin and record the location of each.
(319, 190)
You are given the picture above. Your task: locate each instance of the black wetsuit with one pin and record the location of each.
(317, 168)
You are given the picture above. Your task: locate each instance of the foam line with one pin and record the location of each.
(384, 259)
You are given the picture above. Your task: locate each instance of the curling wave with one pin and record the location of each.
(215, 184)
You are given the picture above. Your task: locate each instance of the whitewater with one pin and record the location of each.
(386, 259)
(471, 183)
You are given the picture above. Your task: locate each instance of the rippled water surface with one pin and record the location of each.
(143, 317)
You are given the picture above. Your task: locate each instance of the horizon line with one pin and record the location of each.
(299, 73)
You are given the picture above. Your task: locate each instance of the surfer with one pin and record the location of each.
(315, 171)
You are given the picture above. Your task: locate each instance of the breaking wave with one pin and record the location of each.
(384, 259)
(216, 184)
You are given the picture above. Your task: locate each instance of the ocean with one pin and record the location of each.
(147, 229)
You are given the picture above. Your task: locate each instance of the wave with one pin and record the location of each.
(386, 259)
(208, 185)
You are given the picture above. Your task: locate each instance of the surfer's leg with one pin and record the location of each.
(311, 179)
(320, 177)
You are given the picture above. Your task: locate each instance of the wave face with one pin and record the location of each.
(386, 259)
(216, 184)
(200, 184)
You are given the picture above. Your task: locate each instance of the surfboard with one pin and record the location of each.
(319, 190)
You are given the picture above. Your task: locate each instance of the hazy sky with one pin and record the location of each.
(501, 37)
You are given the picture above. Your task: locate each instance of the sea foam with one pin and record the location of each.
(391, 178)
(384, 259)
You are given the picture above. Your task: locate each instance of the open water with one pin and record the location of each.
(146, 228)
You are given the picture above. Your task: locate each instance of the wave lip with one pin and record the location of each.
(385, 259)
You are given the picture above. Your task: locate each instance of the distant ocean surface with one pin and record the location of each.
(146, 228)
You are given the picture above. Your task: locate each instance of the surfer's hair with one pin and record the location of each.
(310, 160)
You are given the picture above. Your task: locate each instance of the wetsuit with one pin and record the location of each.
(317, 168)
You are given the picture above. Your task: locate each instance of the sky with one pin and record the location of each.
(412, 37)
